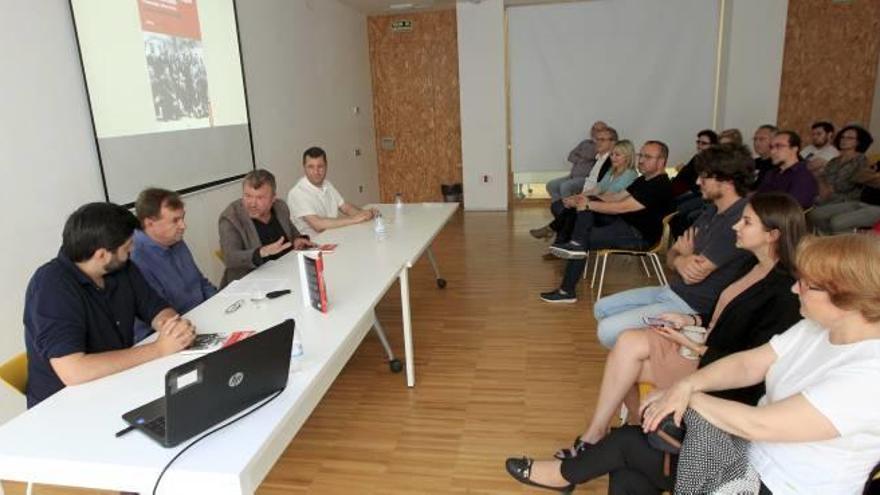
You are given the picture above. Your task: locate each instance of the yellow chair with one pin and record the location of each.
(14, 373)
(653, 255)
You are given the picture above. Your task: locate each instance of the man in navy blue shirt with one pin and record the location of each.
(162, 255)
(80, 308)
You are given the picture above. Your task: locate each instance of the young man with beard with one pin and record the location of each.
(80, 308)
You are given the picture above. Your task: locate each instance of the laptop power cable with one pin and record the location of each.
(210, 432)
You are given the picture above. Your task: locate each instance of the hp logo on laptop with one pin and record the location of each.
(236, 379)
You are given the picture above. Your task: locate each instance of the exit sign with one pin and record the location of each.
(401, 26)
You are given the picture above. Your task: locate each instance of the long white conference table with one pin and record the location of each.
(69, 439)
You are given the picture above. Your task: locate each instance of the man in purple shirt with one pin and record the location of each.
(791, 174)
(162, 255)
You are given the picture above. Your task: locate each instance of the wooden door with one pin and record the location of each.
(415, 104)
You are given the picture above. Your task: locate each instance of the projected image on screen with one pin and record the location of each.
(173, 48)
(166, 91)
(178, 80)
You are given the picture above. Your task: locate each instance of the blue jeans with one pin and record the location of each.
(563, 187)
(625, 310)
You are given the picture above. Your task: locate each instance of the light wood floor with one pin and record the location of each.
(498, 373)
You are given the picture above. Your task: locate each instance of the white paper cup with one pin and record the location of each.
(696, 335)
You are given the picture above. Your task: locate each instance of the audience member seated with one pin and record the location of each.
(730, 136)
(685, 181)
(790, 174)
(582, 159)
(315, 204)
(632, 220)
(162, 255)
(704, 260)
(761, 141)
(605, 140)
(757, 306)
(837, 179)
(821, 150)
(845, 216)
(80, 308)
(256, 228)
(688, 200)
(815, 429)
(612, 185)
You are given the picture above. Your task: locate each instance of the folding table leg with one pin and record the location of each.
(441, 282)
(407, 327)
(393, 363)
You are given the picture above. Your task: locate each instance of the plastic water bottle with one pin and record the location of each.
(296, 353)
(379, 224)
(398, 200)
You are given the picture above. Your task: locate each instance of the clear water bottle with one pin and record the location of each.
(379, 225)
(398, 200)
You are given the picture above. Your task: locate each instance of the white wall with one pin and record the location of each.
(483, 109)
(306, 65)
(752, 64)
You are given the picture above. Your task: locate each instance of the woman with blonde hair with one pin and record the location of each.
(621, 174)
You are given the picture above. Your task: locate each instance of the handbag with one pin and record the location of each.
(667, 437)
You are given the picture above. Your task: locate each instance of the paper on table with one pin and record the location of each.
(254, 287)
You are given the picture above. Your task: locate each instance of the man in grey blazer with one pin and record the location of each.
(256, 228)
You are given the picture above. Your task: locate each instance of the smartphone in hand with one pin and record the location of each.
(657, 322)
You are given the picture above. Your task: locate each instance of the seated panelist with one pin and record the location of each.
(163, 256)
(315, 204)
(256, 228)
(80, 308)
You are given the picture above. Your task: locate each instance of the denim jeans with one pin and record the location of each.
(563, 187)
(616, 234)
(625, 310)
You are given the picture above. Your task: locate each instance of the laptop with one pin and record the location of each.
(205, 391)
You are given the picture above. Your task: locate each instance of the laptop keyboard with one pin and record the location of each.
(157, 426)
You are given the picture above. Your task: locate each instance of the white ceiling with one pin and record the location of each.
(374, 7)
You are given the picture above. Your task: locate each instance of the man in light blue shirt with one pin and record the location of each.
(162, 255)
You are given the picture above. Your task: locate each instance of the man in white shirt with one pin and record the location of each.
(822, 150)
(315, 205)
(605, 141)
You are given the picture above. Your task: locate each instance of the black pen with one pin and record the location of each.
(124, 431)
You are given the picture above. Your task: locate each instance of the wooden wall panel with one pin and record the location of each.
(830, 63)
(415, 101)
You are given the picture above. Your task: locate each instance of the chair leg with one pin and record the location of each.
(645, 266)
(658, 267)
(586, 265)
(595, 267)
(602, 276)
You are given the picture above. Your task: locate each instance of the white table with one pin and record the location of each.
(69, 440)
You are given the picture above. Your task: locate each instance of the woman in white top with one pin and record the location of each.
(817, 429)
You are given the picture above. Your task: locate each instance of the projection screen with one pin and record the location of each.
(166, 91)
(645, 67)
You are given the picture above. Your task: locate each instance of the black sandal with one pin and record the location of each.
(521, 470)
(576, 449)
